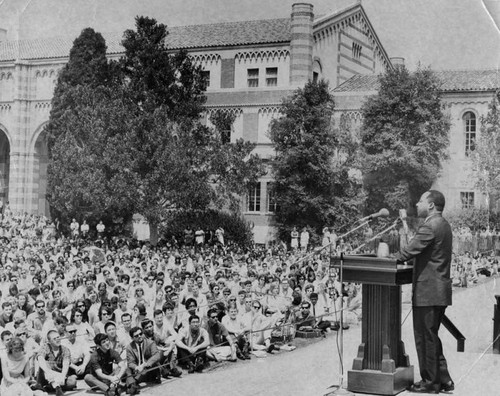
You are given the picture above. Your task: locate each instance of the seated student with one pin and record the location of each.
(222, 346)
(142, 358)
(15, 366)
(54, 361)
(106, 367)
(318, 311)
(80, 352)
(192, 345)
(166, 347)
(237, 329)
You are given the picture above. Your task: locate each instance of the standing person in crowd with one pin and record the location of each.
(304, 239)
(75, 228)
(100, 229)
(294, 239)
(219, 234)
(432, 249)
(84, 229)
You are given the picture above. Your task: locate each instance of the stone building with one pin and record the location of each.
(466, 95)
(250, 67)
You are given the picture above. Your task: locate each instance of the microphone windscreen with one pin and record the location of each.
(383, 212)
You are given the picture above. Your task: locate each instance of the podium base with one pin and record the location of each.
(339, 392)
(379, 383)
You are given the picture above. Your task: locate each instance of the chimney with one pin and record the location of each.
(398, 62)
(301, 44)
(3, 35)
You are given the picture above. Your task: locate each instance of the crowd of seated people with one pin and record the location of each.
(116, 313)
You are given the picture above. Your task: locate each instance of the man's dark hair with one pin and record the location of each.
(437, 198)
(190, 301)
(99, 338)
(133, 330)
(108, 325)
(4, 334)
(212, 311)
(145, 322)
(193, 317)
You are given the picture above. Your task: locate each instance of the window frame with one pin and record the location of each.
(272, 76)
(467, 199)
(253, 80)
(253, 204)
(469, 120)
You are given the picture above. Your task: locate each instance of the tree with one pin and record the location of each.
(313, 184)
(486, 156)
(87, 111)
(404, 136)
(132, 141)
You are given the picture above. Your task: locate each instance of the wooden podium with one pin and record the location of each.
(382, 366)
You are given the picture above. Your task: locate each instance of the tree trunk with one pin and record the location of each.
(153, 233)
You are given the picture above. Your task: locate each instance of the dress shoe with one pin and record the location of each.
(423, 388)
(175, 372)
(271, 348)
(448, 387)
(133, 390)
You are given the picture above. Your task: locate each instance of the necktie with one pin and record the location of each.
(141, 357)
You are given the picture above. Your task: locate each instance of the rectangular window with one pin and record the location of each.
(467, 198)
(253, 198)
(253, 78)
(470, 135)
(356, 50)
(315, 77)
(271, 76)
(205, 75)
(272, 204)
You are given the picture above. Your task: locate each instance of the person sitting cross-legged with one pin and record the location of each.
(54, 360)
(192, 345)
(143, 359)
(222, 345)
(106, 367)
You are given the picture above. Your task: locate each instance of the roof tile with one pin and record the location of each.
(452, 80)
(194, 36)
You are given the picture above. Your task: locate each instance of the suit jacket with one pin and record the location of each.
(431, 247)
(150, 351)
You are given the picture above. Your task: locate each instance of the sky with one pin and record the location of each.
(442, 34)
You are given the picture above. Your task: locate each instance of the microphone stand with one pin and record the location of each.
(378, 235)
(341, 390)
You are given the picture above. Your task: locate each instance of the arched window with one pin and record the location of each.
(469, 119)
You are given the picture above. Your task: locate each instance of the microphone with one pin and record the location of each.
(381, 213)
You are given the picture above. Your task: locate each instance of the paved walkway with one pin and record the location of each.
(313, 369)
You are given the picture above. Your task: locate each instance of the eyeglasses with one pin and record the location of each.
(22, 334)
(304, 307)
(137, 335)
(72, 331)
(80, 306)
(256, 306)
(40, 306)
(213, 317)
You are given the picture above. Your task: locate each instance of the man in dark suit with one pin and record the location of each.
(431, 247)
(142, 357)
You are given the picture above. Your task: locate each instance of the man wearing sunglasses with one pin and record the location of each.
(142, 358)
(80, 355)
